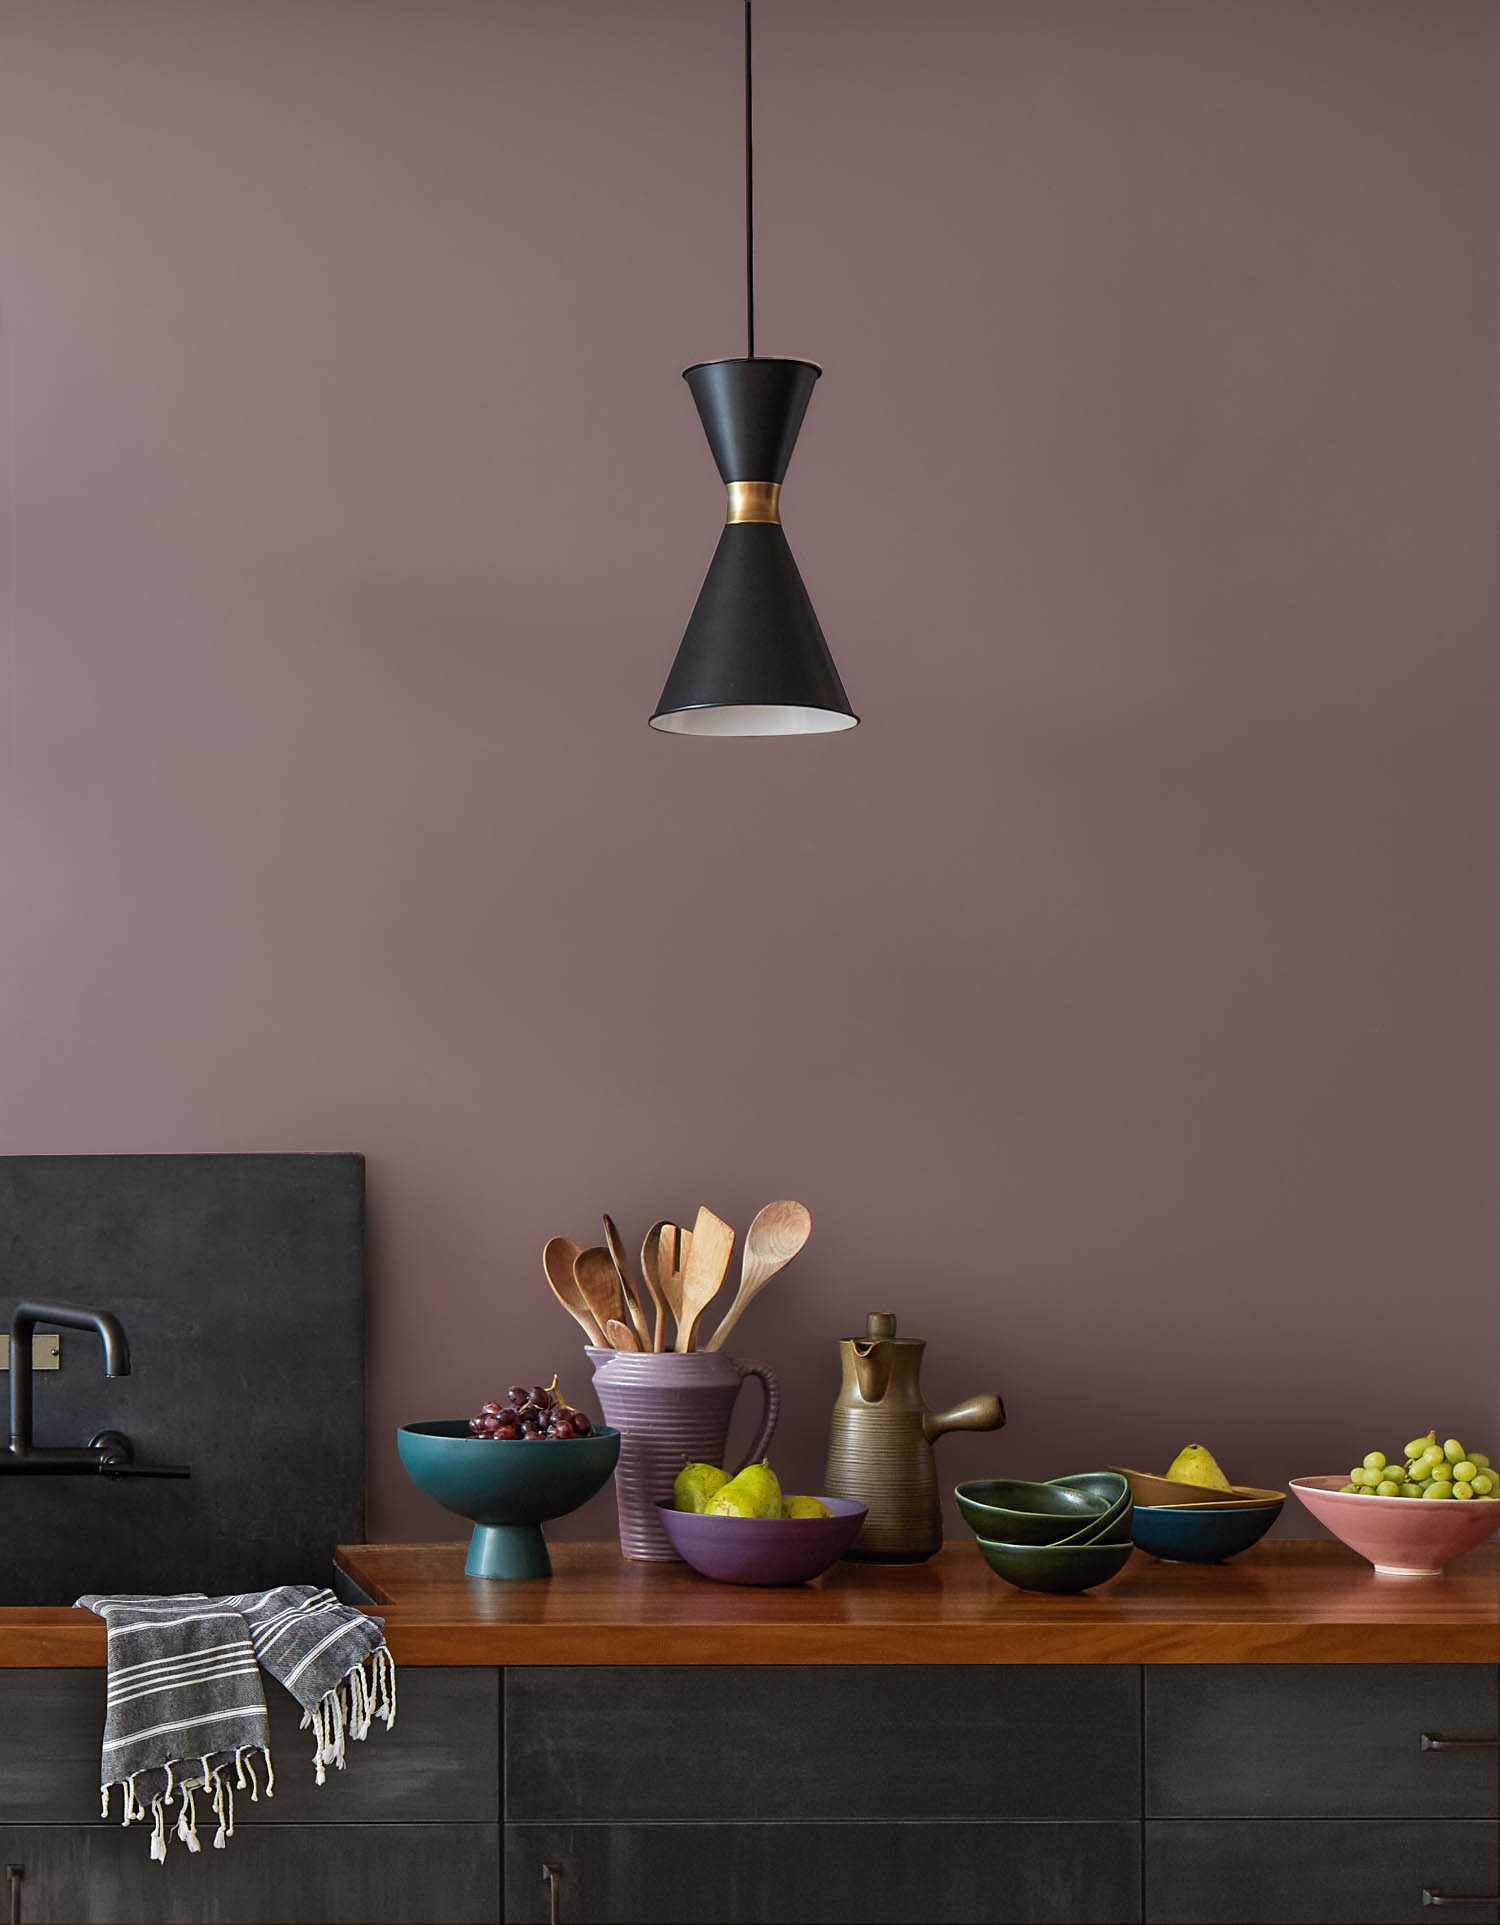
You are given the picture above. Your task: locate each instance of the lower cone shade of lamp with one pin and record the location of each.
(753, 660)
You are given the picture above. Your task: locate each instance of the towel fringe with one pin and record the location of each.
(187, 1819)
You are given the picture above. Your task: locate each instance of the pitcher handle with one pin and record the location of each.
(770, 1383)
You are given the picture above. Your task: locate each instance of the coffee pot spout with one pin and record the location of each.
(984, 1412)
(872, 1369)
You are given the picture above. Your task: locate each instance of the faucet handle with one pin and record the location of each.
(116, 1456)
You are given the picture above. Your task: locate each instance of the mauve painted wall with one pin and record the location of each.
(1120, 996)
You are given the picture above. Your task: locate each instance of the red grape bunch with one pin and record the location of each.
(541, 1413)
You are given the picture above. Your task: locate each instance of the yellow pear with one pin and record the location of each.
(754, 1493)
(1194, 1464)
(695, 1485)
(804, 1507)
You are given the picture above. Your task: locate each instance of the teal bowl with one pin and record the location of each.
(1064, 1569)
(506, 1488)
(1010, 1510)
(1197, 1534)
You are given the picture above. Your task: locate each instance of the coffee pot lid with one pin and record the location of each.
(880, 1327)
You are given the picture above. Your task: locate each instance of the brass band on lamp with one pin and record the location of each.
(753, 501)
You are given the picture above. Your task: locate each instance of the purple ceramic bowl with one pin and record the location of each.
(764, 1550)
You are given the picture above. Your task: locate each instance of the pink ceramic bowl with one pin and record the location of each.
(1401, 1536)
(763, 1550)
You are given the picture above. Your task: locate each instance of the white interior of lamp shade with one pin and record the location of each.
(751, 718)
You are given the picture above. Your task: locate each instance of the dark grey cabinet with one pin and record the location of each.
(825, 1792)
(830, 1743)
(1319, 1741)
(1317, 1871)
(327, 1874)
(408, 1834)
(1290, 1793)
(441, 1763)
(1055, 1873)
(1220, 1795)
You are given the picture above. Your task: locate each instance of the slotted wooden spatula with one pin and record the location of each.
(707, 1261)
(672, 1249)
(558, 1259)
(599, 1284)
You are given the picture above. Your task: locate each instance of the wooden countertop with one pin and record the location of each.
(1289, 1601)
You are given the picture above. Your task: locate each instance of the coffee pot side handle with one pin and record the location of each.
(984, 1412)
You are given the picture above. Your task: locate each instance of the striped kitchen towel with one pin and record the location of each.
(185, 1711)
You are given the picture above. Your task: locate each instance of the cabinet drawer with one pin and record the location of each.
(1319, 1741)
(867, 1742)
(266, 1875)
(442, 1761)
(1318, 1871)
(1028, 1874)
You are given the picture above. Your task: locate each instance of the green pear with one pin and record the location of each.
(1194, 1464)
(805, 1507)
(695, 1485)
(754, 1493)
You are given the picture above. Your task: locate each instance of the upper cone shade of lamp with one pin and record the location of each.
(753, 660)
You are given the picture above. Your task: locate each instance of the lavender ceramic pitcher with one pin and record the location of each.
(670, 1410)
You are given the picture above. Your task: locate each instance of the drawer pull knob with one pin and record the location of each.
(1432, 1742)
(15, 1873)
(552, 1877)
(1455, 1898)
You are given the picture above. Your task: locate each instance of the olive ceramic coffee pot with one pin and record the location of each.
(880, 1446)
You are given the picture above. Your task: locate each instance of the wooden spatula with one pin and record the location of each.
(650, 1251)
(599, 1284)
(708, 1259)
(672, 1250)
(558, 1259)
(621, 1336)
(627, 1281)
(773, 1239)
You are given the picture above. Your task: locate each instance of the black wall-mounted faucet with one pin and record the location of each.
(109, 1452)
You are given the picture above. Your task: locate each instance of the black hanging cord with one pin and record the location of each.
(749, 197)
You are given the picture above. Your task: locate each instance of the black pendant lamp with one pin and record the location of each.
(753, 660)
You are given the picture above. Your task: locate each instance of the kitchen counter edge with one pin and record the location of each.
(1286, 1602)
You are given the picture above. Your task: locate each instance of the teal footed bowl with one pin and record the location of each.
(507, 1489)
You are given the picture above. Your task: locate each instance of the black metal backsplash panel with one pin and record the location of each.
(240, 1283)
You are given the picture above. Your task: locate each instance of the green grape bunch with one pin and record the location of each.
(1426, 1469)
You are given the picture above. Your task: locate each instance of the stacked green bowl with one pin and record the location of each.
(1065, 1535)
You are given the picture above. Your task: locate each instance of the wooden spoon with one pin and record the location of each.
(627, 1281)
(773, 1239)
(599, 1285)
(707, 1260)
(650, 1250)
(673, 1247)
(558, 1258)
(621, 1335)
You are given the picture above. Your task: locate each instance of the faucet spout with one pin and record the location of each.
(71, 1316)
